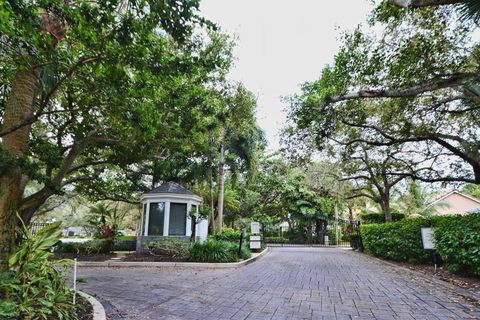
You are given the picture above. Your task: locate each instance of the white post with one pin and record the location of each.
(74, 279)
(166, 218)
(147, 219)
(188, 224)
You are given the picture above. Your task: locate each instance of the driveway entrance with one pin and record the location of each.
(287, 283)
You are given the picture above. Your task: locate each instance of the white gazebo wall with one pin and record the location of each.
(201, 228)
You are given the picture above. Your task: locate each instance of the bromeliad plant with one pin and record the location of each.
(34, 288)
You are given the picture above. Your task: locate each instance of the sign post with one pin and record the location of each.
(428, 244)
(242, 236)
(255, 238)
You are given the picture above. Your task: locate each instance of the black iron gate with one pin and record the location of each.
(343, 233)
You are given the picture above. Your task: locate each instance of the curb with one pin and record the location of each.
(98, 310)
(458, 290)
(140, 264)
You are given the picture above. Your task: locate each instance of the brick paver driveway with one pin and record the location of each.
(287, 283)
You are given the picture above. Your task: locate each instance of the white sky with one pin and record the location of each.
(281, 44)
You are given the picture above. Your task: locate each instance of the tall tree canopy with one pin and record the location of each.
(93, 90)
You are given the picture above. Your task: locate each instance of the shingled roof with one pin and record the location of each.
(171, 187)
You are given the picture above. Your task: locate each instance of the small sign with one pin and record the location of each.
(255, 227)
(427, 238)
(255, 245)
(254, 238)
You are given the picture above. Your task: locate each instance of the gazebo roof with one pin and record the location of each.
(171, 187)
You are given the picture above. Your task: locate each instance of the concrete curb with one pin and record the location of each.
(98, 310)
(141, 264)
(460, 291)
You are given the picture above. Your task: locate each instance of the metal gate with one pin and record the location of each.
(343, 233)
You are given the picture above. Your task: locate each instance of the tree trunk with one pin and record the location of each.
(193, 228)
(18, 108)
(221, 176)
(211, 214)
(385, 205)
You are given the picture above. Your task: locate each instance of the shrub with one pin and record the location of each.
(126, 238)
(125, 245)
(34, 287)
(96, 246)
(169, 246)
(374, 217)
(228, 234)
(276, 240)
(217, 251)
(401, 241)
(68, 247)
(457, 240)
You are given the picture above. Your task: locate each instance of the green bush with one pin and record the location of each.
(34, 287)
(96, 246)
(217, 251)
(169, 246)
(401, 241)
(126, 238)
(125, 245)
(68, 247)
(374, 217)
(457, 240)
(276, 240)
(228, 234)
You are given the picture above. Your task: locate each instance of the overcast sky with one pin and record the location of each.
(281, 44)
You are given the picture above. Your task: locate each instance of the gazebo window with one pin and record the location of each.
(178, 219)
(156, 219)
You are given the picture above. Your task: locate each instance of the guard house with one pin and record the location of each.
(165, 214)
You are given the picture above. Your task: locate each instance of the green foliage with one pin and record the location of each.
(96, 246)
(127, 238)
(169, 246)
(399, 241)
(375, 217)
(276, 240)
(228, 234)
(217, 251)
(34, 287)
(125, 245)
(457, 241)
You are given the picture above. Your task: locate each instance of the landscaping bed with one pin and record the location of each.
(84, 312)
(151, 258)
(461, 279)
(85, 257)
(456, 240)
(87, 312)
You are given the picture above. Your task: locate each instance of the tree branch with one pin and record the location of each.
(451, 81)
(422, 3)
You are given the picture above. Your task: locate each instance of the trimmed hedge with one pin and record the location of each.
(374, 217)
(276, 240)
(227, 234)
(217, 251)
(457, 240)
(96, 246)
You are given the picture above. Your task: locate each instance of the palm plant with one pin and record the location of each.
(469, 10)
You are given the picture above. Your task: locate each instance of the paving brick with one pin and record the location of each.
(288, 283)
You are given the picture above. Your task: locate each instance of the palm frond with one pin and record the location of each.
(469, 10)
